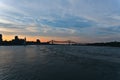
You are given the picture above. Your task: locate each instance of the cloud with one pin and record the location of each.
(85, 19)
(5, 21)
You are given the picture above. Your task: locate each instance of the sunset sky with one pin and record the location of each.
(77, 20)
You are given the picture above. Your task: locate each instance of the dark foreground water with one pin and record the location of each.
(59, 63)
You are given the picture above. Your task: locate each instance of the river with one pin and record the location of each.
(59, 62)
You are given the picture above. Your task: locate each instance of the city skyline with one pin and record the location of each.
(23, 41)
(77, 20)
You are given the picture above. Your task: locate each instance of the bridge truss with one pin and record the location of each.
(62, 42)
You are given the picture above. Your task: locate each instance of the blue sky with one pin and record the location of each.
(78, 20)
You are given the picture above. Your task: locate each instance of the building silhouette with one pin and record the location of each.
(38, 41)
(1, 40)
(17, 41)
(16, 38)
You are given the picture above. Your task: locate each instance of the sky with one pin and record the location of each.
(76, 20)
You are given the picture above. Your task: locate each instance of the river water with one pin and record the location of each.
(59, 62)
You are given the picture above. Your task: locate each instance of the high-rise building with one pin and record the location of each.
(38, 41)
(18, 41)
(16, 38)
(1, 39)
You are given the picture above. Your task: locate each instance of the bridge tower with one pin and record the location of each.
(52, 41)
(69, 42)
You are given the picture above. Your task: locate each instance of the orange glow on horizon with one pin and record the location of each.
(31, 38)
(41, 38)
(28, 38)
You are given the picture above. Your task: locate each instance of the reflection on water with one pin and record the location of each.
(59, 63)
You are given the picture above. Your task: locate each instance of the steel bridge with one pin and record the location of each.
(62, 42)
